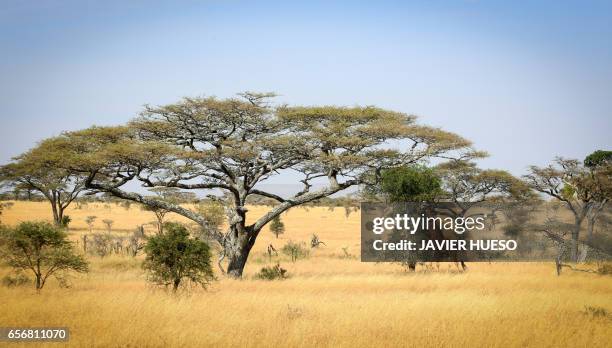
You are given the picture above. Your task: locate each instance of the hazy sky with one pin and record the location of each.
(523, 81)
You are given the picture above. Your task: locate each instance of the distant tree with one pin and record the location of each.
(235, 144)
(277, 226)
(559, 233)
(466, 185)
(39, 170)
(167, 194)
(295, 250)
(109, 224)
(90, 222)
(137, 241)
(214, 214)
(173, 257)
(43, 249)
(101, 244)
(581, 189)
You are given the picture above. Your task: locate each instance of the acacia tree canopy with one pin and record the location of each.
(40, 170)
(465, 184)
(234, 144)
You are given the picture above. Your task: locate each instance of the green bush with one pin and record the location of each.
(173, 257)
(18, 279)
(66, 221)
(272, 273)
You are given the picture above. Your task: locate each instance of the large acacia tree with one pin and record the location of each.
(231, 145)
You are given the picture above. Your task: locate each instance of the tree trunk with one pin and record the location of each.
(84, 243)
(38, 282)
(412, 266)
(57, 220)
(60, 217)
(176, 284)
(237, 247)
(575, 238)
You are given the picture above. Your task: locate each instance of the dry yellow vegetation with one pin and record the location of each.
(329, 300)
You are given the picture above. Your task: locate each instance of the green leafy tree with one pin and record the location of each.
(277, 226)
(410, 184)
(599, 158)
(235, 144)
(173, 257)
(43, 249)
(39, 170)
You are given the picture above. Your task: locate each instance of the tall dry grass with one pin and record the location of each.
(327, 301)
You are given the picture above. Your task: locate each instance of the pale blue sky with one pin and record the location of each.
(525, 81)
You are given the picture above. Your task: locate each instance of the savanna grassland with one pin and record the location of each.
(330, 298)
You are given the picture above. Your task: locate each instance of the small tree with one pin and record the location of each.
(169, 195)
(173, 256)
(101, 244)
(109, 224)
(136, 241)
(277, 226)
(43, 249)
(295, 250)
(90, 222)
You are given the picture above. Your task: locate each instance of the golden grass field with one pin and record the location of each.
(329, 300)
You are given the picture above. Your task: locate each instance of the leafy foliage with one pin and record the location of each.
(43, 249)
(41, 169)
(173, 257)
(598, 158)
(410, 184)
(65, 221)
(272, 273)
(277, 226)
